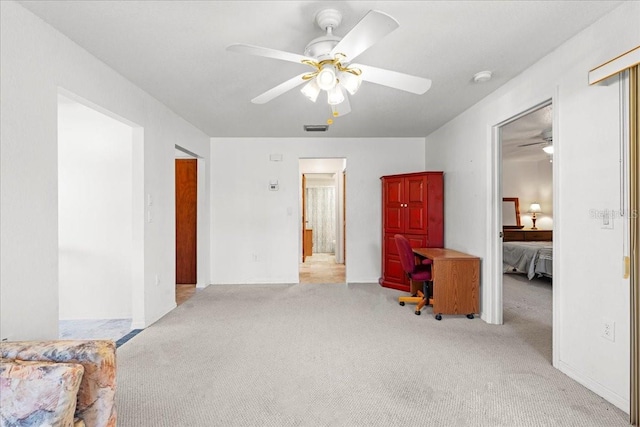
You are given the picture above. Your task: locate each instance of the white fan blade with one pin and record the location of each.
(406, 82)
(532, 143)
(279, 90)
(372, 28)
(343, 108)
(268, 53)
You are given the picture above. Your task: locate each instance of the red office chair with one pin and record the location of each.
(418, 272)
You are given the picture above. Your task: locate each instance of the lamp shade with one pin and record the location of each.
(326, 78)
(548, 149)
(311, 90)
(350, 81)
(534, 208)
(335, 96)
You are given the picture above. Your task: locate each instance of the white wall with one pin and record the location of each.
(249, 222)
(587, 284)
(95, 186)
(531, 181)
(36, 61)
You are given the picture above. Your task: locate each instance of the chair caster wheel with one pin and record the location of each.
(402, 303)
(438, 316)
(417, 313)
(470, 316)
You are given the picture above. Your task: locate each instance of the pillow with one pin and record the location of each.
(38, 393)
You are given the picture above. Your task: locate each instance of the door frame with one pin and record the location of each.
(340, 186)
(492, 307)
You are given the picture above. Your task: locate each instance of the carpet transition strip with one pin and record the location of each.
(127, 337)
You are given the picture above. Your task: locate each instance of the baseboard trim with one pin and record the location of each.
(594, 386)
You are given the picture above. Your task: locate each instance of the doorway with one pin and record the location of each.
(186, 208)
(98, 180)
(322, 205)
(527, 222)
(530, 136)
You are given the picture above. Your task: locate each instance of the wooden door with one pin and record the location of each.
(186, 217)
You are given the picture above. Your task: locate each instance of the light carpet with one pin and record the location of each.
(348, 355)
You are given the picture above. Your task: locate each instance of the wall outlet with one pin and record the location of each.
(157, 280)
(254, 257)
(608, 329)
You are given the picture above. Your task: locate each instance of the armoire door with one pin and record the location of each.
(393, 205)
(415, 202)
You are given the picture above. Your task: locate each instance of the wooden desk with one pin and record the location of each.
(456, 281)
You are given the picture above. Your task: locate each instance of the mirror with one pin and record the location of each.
(511, 213)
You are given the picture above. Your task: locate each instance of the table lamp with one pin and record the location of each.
(534, 209)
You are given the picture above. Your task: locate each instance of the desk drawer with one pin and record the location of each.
(527, 235)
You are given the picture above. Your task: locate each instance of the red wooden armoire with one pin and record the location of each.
(412, 205)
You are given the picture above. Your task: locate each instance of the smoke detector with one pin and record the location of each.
(482, 76)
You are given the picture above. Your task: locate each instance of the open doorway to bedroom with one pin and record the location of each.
(322, 207)
(527, 223)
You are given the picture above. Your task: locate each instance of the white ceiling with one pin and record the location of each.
(175, 50)
(524, 138)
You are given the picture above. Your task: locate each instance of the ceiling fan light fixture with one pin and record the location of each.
(350, 82)
(331, 59)
(311, 90)
(335, 96)
(326, 78)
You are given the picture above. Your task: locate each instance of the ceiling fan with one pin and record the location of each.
(546, 138)
(330, 58)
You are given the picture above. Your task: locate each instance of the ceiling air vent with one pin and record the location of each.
(316, 128)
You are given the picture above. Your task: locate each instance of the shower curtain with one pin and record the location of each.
(321, 214)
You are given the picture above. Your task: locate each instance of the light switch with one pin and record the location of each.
(607, 219)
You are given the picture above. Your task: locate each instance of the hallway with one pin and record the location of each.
(322, 268)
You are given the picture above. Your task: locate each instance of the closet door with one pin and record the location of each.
(186, 217)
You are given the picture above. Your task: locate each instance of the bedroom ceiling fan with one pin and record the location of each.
(330, 58)
(546, 138)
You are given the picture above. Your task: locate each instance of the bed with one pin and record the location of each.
(533, 258)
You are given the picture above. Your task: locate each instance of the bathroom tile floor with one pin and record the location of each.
(91, 329)
(321, 268)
